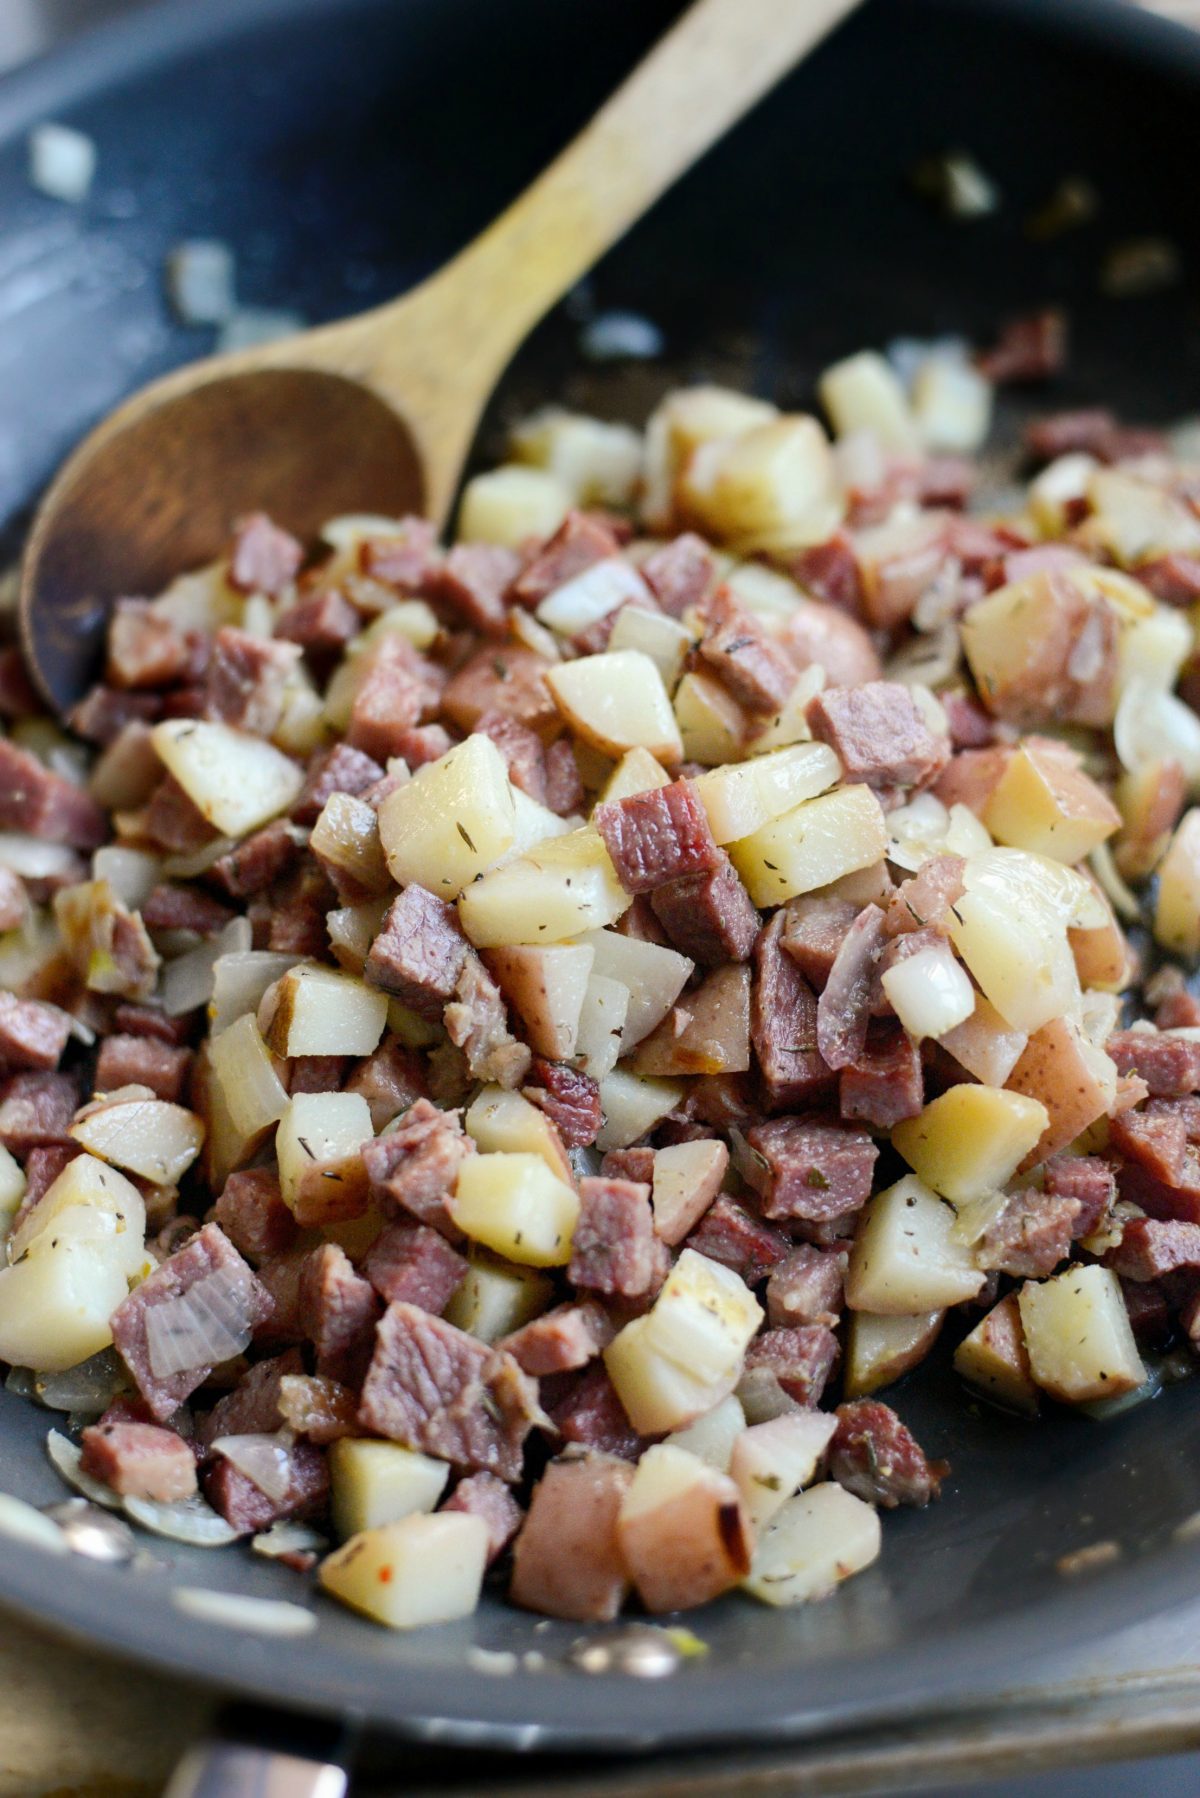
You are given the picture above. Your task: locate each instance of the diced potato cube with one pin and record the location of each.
(708, 1033)
(495, 1297)
(1019, 956)
(12, 1188)
(239, 983)
(346, 837)
(1101, 955)
(711, 1437)
(863, 393)
(511, 504)
(790, 724)
(1073, 1079)
(417, 1571)
(906, 1258)
(150, 1137)
(254, 1095)
(770, 595)
(970, 1140)
(712, 726)
(1177, 909)
(952, 406)
(771, 1461)
(685, 1354)
(380, 1482)
(1078, 1335)
(683, 1533)
(771, 480)
(656, 635)
(601, 1024)
(1059, 486)
(89, 1202)
(506, 1123)
(453, 819)
(598, 463)
(1019, 630)
(636, 772)
(316, 1011)
(929, 991)
(984, 1044)
(993, 1358)
(1046, 803)
(547, 987)
(617, 701)
(633, 1104)
(687, 1178)
(813, 1542)
(565, 886)
(514, 1204)
(591, 595)
(653, 975)
(236, 780)
(880, 1349)
(55, 1303)
(686, 418)
(742, 797)
(815, 843)
(321, 1175)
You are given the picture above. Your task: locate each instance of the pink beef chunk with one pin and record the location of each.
(564, 783)
(588, 1412)
(32, 1035)
(734, 1236)
(561, 1340)
(783, 1026)
(657, 836)
(483, 1495)
(613, 1248)
(806, 1287)
(810, 1168)
(42, 804)
(1148, 1312)
(258, 861)
(144, 648)
(801, 1358)
(1175, 579)
(419, 953)
(248, 1509)
(1170, 1065)
(43, 1165)
(398, 688)
(846, 1003)
(575, 546)
(147, 1020)
(1029, 1238)
(1091, 1182)
(36, 1110)
(173, 822)
(710, 916)
(408, 561)
(570, 1099)
(390, 1080)
(139, 1460)
(415, 1166)
(1155, 1137)
(874, 1456)
(253, 1215)
(472, 585)
(316, 1073)
(342, 769)
(264, 558)
(423, 743)
(1031, 348)
(887, 1084)
(282, 1275)
(1168, 1199)
(629, 1164)
(813, 932)
(748, 662)
(567, 1560)
(246, 679)
(321, 624)
(14, 900)
(879, 734)
(252, 1408)
(105, 713)
(476, 1021)
(434, 1388)
(1151, 1247)
(341, 1311)
(209, 1272)
(680, 573)
(142, 1061)
(172, 907)
(522, 751)
(412, 1264)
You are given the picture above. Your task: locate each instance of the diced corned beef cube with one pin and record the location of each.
(253, 1215)
(567, 1560)
(172, 907)
(43, 1165)
(414, 1265)
(145, 649)
(874, 1456)
(845, 1005)
(316, 1073)
(887, 1083)
(814, 930)
(613, 1248)
(570, 1099)
(252, 1408)
(561, 1340)
(171, 820)
(408, 560)
(102, 715)
(297, 909)
(801, 1359)
(970, 726)
(1177, 1011)
(730, 1234)
(184, 702)
(341, 1311)
(564, 783)
(416, 1165)
(1174, 579)
(1029, 1238)
(580, 541)
(483, 1495)
(258, 861)
(42, 804)
(1151, 1247)
(397, 689)
(477, 1023)
(36, 1110)
(282, 1275)
(247, 1508)
(246, 679)
(629, 1164)
(589, 1413)
(1156, 1137)
(1090, 430)
(1031, 348)
(1170, 1065)
(879, 734)
(229, 1291)
(434, 1388)
(14, 900)
(709, 916)
(1179, 1199)
(806, 1287)
(139, 1460)
(148, 1020)
(472, 585)
(32, 1034)
(264, 558)
(783, 1025)
(522, 751)
(321, 1409)
(17, 696)
(322, 623)
(342, 769)
(390, 1080)
(502, 678)
(657, 836)
(1149, 1313)
(1091, 1182)
(640, 923)
(748, 662)
(923, 901)
(142, 1061)
(680, 573)
(423, 743)
(810, 1168)
(419, 952)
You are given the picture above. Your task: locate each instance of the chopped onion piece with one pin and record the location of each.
(237, 1610)
(209, 1323)
(616, 335)
(66, 1458)
(25, 1524)
(240, 980)
(1154, 726)
(197, 861)
(1124, 901)
(187, 982)
(88, 1388)
(189, 1520)
(929, 992)
(131, 873)
(62, 162)
(264, 1460)
(200, 281)
(33, 859)
(286, 1538)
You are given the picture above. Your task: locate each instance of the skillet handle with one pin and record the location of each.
(265, 1754)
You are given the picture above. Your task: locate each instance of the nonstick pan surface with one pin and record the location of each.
(345, 147)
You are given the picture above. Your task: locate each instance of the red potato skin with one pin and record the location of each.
(690, 1549)
(567, 1560)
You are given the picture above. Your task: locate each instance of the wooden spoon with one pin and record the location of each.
(377, 413)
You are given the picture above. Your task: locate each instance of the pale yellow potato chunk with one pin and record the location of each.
(712, 726)
(506, 1123)
(1078, 1335)
(863, 393)
(994, 1359)
(243, 1067)
(453, 819)
(632, 1104)
(12, 1188)
(564, 887)
(656, 635)
(984, 1044)
(601, 1024)
(379, 1482)
(906, 1257)
(771, 1461)
(813, 1542)
(496, 1297)
(880, 1349)
(1018, 955)
(636, 772)
(1045, 802)
(711, 1438)
(319, 1012)
(686, 418)
(1177, 908)
(150, 1137)
(235, 780)
(91, 1202)
(812, 845)
(598, 463)
(687, 1178)
(970, 1140)
(773, 479)
(55, 1304)
(417, 1571)
(346, 836)
(587, 597)
(951, 406)
(546, 986)
(514, 1205)
(316, 1143)
(617, 701)
(511, 504)
(653, 975)
(740, 798)
(685, 1355)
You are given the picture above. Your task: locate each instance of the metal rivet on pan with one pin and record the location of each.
(92, 1532)
(641, 1652)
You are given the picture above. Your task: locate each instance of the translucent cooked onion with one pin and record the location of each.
(930, 992)
(33, 859)
(25, 1524)
(264, 1459)
(187, 982)
(131, 873)
(202, 1327)
(1154, 726)
(241, 978)
(189, 1520)
(237, 1610)
(197, 861)
(1034, 883)
(88, 1389)
(66, 1457)
(286, 1538)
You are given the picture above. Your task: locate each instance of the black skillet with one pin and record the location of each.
(345, 147)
